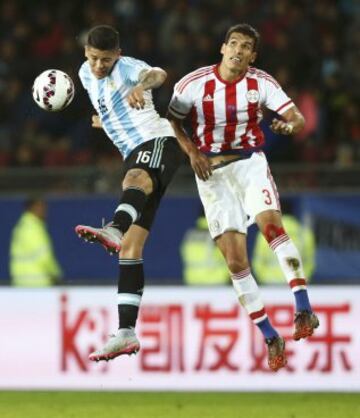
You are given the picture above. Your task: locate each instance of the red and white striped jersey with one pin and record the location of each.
(226, 115)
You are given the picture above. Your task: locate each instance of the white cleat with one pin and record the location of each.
(108, 236)
(123, 342)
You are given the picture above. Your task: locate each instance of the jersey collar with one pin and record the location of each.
(218, 76)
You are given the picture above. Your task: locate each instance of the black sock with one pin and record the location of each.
(130, 290)
(129, 210)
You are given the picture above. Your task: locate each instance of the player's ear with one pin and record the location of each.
(253, 57)
(119, 52)
(222, 49)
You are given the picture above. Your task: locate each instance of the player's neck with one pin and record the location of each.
(230, 76)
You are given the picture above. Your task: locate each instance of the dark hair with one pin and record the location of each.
(245, 29)
(103, 37)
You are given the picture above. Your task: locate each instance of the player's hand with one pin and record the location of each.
(136, 97)
(200, 163)
(280, 127)
(96, 122)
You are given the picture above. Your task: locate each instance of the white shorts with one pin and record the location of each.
(236, 193)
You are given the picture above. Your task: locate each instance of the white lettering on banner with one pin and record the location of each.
(191, 339)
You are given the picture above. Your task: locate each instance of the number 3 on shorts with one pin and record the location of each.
(143, 157)
(267, 200)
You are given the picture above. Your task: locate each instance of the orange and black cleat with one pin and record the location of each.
(276, 353)
(305, 323)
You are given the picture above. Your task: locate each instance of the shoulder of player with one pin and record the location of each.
(262, 76)
(84, 72)
(125, 61)
(195, 76)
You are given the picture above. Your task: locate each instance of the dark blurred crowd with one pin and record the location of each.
(311, 47)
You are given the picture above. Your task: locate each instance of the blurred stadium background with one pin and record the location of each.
(311, 47)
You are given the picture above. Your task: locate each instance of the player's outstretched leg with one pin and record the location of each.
(248, 293)
(305, 323)
(108, 236)
(129, 210)
(276, 353)
(291, 264)
(123, 342)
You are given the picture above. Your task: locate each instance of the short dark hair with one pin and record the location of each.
(103, 37)
(245, 29)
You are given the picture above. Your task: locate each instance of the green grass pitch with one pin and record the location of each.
(178, 405)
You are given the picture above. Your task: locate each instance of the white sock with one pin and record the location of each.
(290, 262)
(248, 293)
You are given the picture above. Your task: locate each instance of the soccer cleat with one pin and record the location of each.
(276, 353)
(108, 236)
(305, 323)
(123, 342)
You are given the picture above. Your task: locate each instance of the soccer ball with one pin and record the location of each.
(53, 90)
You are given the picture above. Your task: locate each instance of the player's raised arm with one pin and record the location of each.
(200, 163)
(292, 123)
(148, 79)
(153, 78)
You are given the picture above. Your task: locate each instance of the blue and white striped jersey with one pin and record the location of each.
(126, 127)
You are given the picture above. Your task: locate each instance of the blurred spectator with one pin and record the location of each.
(307, 102)
(203, 263)
(32, 259)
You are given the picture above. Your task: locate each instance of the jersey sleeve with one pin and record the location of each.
(133, 68)
(181, 101)
(275, 97)
(84, 75)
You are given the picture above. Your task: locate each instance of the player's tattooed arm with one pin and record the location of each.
(292, 122)
(153, 78)
(148, 79)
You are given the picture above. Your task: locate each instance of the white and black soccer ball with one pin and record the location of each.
(53, 90)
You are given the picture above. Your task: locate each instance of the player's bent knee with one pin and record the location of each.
(272, 231)
(137, 177)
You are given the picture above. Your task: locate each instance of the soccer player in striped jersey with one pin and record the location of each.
(233, 177)
(119, 88)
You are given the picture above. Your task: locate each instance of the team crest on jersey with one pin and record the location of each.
(252, 96)
(112, 84)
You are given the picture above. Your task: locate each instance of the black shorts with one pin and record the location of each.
(160, 158)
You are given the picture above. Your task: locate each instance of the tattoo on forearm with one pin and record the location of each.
(151, 79)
